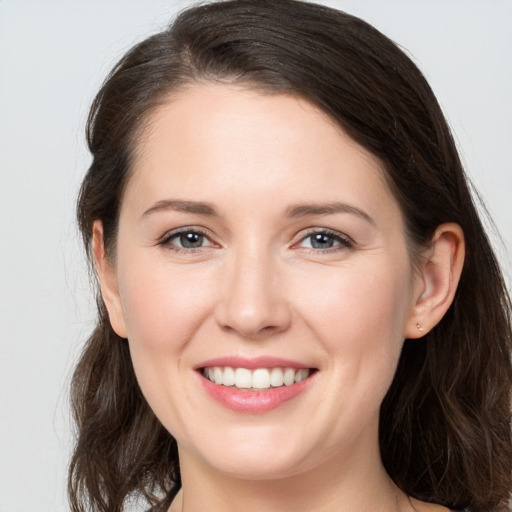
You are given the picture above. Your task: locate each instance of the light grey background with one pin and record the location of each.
(53, 57)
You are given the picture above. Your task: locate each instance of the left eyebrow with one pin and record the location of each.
(302, 210)
(182, 206)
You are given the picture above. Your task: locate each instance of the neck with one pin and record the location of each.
(353, 485)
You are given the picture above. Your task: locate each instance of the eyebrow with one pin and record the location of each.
(182, 206)
(299, 210)
(303, 210)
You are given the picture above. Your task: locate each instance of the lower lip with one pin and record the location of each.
(254, 402)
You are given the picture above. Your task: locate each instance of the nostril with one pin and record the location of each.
(251, 332)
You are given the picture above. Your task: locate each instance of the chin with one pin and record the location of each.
(256, 455)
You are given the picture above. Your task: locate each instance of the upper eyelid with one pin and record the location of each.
(186, 229)
(301, 235)
(313, 231)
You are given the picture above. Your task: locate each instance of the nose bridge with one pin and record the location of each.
(252, 300)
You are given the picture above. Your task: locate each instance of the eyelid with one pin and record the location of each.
(164, 241)
(346, 242)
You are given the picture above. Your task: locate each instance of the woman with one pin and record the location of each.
(298, 299)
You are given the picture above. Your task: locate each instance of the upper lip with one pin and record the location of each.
(252, 363)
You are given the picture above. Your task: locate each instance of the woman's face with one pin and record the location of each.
(255, 235)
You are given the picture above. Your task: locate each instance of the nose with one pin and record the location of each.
(252, 300)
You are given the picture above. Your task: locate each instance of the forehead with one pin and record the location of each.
(214, 138)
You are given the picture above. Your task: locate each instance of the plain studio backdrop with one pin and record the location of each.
(53, 58)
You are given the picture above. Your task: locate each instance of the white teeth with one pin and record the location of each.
(243, 378)
(289, 376)
(301, 375)
(217, 375)
(259, 378)
(276, 377)
(229, 376)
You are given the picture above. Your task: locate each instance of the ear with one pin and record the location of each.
(108, 281)
(437, 280)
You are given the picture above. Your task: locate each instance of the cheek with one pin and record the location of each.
(358, 315)
(358, 312)
(163, 306)
(163, 310)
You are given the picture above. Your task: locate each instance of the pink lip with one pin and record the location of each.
(253, 402)
(251, 363)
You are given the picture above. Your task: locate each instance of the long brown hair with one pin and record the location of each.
(445, 422)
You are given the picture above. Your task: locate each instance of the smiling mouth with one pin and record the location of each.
(256, 379)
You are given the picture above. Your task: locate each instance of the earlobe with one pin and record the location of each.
(438, 278)
(108, 281)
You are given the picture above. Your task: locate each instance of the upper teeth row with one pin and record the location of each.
(260, 378)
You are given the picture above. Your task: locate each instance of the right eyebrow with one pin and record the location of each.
(182, 206)
(303, 210)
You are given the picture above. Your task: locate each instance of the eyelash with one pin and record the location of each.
(343, 242)
(166, 240)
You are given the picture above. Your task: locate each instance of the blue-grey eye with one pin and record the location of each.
(186, 240)
(190, 240)
(322, 241)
